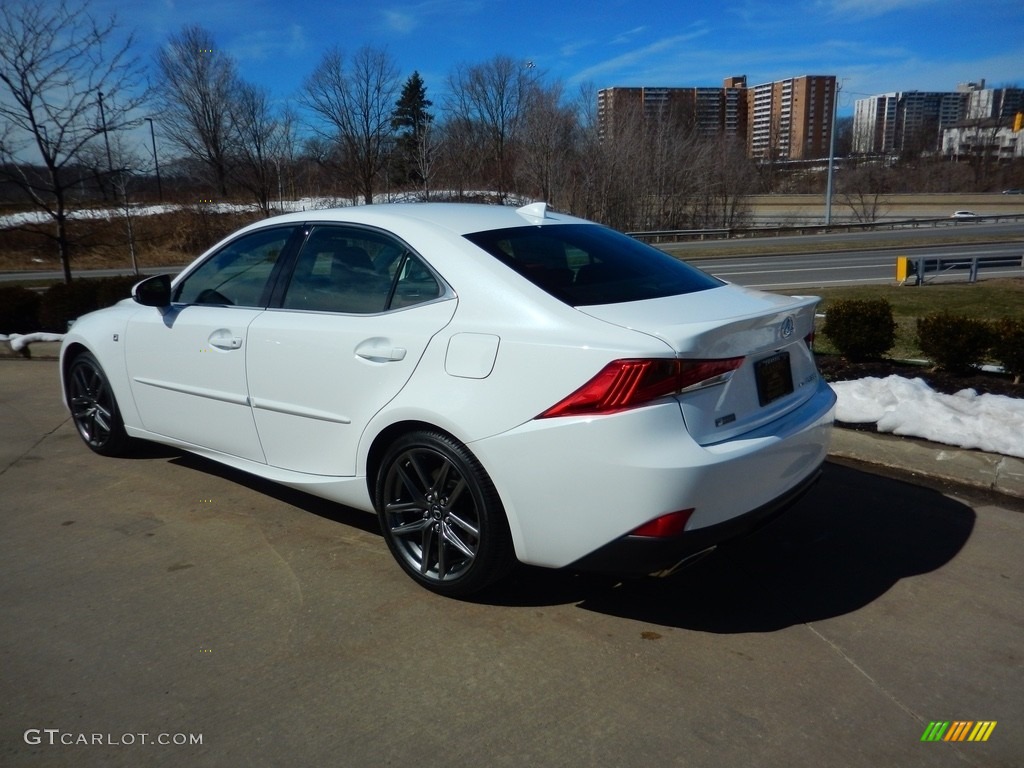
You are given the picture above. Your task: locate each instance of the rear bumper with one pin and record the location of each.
(643, 555)
(574, 486)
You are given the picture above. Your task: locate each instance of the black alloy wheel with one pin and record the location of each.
(94, 408)
(441, 516)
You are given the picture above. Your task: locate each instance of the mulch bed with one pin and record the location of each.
(836, 368)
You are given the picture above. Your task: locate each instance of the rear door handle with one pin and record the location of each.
(380, 351)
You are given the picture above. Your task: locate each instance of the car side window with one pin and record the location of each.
(351, 270)
(238, 274)
(414, 283)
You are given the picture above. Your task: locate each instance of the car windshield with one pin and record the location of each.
(583, 264)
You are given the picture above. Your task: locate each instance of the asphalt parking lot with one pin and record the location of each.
(163, 610)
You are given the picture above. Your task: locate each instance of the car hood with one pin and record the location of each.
(727, 321)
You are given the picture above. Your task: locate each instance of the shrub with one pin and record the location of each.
(955, 343)
(860, 329)
(111, 290)
(19, 310)
(1008, 346)
(66, 301)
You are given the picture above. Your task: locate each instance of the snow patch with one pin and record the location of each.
(19, 341)
(909, 407)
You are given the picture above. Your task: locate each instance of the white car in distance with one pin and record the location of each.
(498, 384)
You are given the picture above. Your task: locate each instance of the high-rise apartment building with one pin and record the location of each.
(708, 110)
(788, 119)
(791, 119)
(902, 121)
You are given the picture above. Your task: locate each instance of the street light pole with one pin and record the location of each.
(831, 156)
(156, 161)
(106, 139)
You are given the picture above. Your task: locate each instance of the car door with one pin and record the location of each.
(186, 362)
(350, 328)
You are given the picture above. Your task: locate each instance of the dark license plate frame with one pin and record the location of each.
(774, 377)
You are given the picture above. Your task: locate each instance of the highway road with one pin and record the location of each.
(795, 261)
(851, 267)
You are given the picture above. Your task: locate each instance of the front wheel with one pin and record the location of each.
(93, 407)
(441, 516)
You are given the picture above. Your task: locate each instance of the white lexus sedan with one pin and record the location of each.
(498, 384)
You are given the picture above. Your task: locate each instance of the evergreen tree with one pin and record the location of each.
(411, 120)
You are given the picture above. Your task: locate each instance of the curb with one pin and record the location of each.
(37, 350)
(988, 471)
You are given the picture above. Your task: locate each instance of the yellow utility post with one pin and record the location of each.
(902, 268)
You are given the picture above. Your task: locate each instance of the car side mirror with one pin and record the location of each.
(153, 291)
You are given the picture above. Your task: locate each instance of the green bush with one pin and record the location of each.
(860, 329)
(111, 290)
(955, 343)
(66, 301)
(1008, 346)
(19, 310)
(63, 302)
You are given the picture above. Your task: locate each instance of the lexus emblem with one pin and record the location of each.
(787, 327)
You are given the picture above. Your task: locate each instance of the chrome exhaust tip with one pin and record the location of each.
(684, 563)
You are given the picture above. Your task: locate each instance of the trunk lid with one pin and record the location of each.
(778, 372)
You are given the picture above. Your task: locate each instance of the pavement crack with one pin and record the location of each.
(32, 447)
(881, 689)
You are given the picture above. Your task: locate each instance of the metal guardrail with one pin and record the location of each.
(728, 233)
(916, 269)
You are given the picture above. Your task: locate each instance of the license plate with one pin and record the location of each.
(774, 377)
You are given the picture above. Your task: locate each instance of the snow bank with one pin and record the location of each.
(910, 407)
(19, 341)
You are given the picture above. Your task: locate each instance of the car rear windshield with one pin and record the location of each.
(586, 264)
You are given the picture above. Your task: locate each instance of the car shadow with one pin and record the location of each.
(329, 510)
(843, 545)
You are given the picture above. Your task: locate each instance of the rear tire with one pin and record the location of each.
(441, 516)
(94, 407)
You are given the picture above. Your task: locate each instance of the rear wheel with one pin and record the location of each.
(441, 516)
(94, 408)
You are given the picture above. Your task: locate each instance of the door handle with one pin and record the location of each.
(380, 351)
(224, 340)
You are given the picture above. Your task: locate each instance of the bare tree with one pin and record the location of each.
(354, 109)
(196, 85)
(548, 135)
(258, 135)
(494, 95)
(56, 63)
(865, 189)
(462, 149)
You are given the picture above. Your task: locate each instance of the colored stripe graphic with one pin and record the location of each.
(958, 730)
(982, 730)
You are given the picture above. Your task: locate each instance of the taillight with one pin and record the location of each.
(624, 384)
(665, 526)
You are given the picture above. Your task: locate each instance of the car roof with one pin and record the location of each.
(457, 218)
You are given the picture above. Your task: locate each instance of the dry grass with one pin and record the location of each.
(166, 239)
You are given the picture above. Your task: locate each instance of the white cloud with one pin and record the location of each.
(863, 9)
(400, 21)
(639, 56)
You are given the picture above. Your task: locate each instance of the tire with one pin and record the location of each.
(441, 516)
(94, 407)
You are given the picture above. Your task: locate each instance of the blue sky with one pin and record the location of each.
(873, 46)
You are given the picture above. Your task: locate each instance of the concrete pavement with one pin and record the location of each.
(164, 597)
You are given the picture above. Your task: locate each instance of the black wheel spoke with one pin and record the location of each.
(93, 407)
(441, 516)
